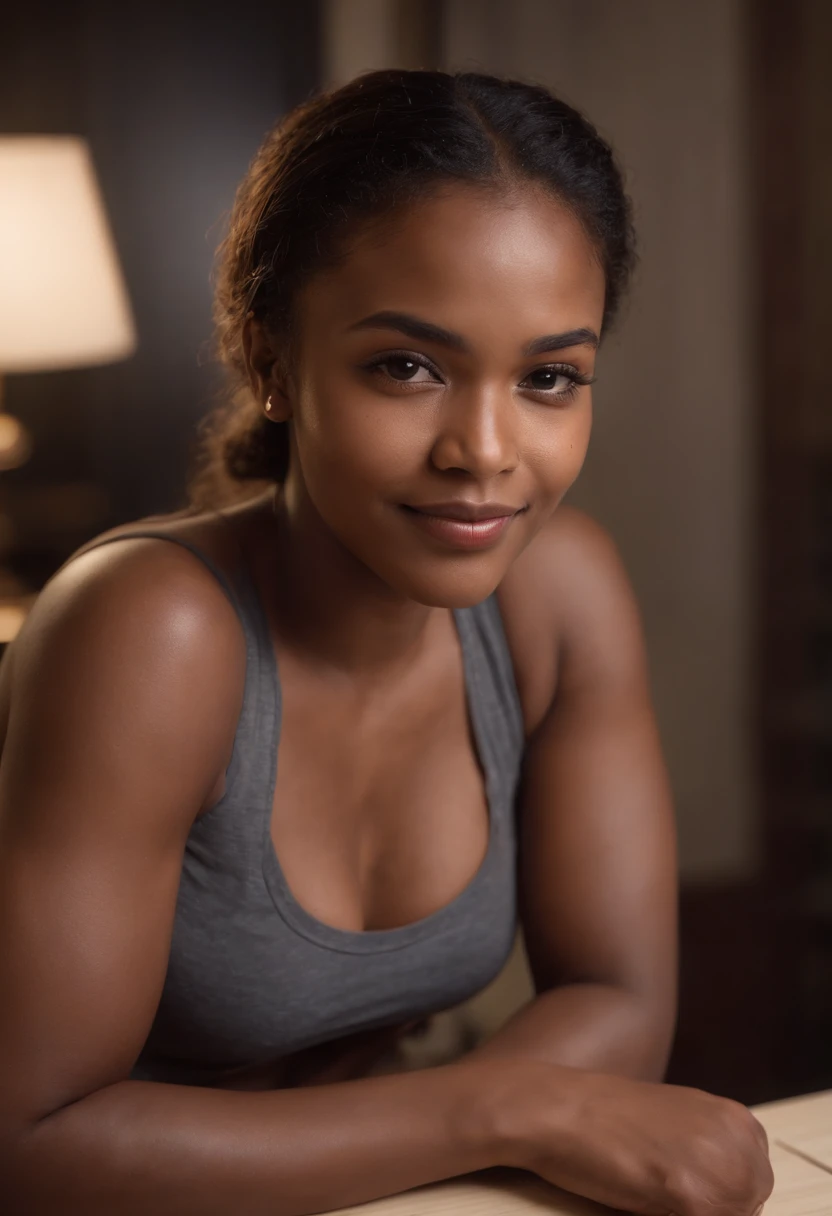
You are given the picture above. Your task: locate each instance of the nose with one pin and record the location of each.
(477, 435)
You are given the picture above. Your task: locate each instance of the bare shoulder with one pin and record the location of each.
(137, 587)
(568, 609)
(135, 638)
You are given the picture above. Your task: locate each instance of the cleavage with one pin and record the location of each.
(379, 815)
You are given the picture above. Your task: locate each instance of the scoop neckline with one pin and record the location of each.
(373, 941)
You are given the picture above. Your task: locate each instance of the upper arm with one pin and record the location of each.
(124, 694)
(598, 861)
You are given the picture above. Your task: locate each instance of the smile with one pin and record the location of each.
(463, 525)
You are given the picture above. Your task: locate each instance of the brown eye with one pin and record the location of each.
(400, 368)
(405, 369)
(549, 379)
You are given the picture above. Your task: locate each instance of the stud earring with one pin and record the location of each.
(268, 405)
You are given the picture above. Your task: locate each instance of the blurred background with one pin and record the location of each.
(711, 461)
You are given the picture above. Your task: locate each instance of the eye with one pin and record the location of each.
(401, 368)
(549, 379)
(556, 380)
(405, 368)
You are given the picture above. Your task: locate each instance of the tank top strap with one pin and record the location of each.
(495, 701)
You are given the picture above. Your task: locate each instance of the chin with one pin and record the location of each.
(457, 584)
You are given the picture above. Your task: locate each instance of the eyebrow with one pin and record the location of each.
(425, 331)
(571, 337)
(422, 331)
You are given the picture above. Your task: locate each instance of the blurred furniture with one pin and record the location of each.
(62, 298)
(791, 104)
(800, 1133)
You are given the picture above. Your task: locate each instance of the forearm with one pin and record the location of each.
(137, 1147)
(597, 1027)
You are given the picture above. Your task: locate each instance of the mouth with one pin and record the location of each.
(463, 525)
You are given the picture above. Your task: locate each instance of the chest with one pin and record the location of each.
(380, 814)
(376, 885)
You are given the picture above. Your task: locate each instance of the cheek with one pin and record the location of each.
(348, 439)
(555, 449)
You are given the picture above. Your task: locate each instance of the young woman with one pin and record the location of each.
(279, 774)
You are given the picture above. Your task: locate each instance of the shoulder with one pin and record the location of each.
(136, 583)
(567, 603)
(134, 636)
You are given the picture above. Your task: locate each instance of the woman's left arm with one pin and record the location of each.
(598, 884)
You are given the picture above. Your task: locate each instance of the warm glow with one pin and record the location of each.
(12, 617)
(15, 445)
(62, 298)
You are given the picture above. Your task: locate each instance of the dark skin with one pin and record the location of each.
(118, 708)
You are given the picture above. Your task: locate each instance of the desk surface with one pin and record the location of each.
(800, 1133)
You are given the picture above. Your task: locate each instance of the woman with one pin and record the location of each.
(203, 949)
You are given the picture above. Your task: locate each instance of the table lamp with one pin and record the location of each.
(63, 302)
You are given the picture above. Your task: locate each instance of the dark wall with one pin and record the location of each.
(174, 100)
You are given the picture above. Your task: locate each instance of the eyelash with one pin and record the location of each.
(576, 378)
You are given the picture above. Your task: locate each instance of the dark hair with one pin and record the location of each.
(353, 155)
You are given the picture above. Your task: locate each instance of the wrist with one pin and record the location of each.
(474, 1119)
(516, 1108)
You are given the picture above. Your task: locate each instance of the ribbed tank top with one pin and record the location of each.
(251, 975)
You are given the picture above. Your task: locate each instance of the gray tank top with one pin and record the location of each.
(251, 975)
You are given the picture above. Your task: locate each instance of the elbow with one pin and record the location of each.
(641, 1029)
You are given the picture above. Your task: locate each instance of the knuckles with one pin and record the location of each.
(728, 1172)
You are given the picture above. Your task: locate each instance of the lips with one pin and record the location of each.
(463, 525)
(472, 512)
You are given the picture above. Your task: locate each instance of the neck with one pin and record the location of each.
(326, 603)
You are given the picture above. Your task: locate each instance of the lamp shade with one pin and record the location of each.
(62, 297)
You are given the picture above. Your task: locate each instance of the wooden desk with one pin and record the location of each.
(800, 1132)
(800, 1135)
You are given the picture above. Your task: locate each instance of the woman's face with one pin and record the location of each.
(440, 401)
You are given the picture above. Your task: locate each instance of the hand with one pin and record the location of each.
(656, 1150)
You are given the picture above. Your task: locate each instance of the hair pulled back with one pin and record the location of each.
(352, 155)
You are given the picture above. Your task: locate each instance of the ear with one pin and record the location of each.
(268, 384)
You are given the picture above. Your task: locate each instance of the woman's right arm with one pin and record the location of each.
(126, 685)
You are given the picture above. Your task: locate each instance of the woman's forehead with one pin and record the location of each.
(468, 260)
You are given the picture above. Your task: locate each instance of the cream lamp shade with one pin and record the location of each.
(62, 297)
(63, 302)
